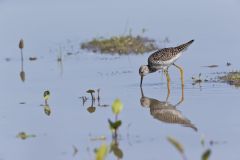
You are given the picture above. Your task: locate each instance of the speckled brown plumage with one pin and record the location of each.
(167, 56)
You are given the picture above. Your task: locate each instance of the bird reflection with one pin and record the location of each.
(166, 112)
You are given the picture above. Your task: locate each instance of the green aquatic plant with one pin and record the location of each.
(47, 109)
(46, 94)
(91, 91)
(23, 135)
(232, 78)
(117, 106)
(121, 45)
(114, 125)
(104, 149)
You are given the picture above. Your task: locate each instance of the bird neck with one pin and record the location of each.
(151, 69)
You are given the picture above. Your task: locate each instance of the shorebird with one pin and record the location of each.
(163, 59)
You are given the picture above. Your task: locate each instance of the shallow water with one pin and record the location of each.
(47, 26)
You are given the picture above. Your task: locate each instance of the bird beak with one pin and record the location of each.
(141, 81)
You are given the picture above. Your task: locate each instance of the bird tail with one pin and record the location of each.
(184, 46)
(190, 42)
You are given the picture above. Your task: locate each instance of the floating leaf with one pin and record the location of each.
(47, 110)
(101, 152)
(46, 95)
(21, 44)
(117, 106)
(23, 135)
(206, 154)
(176, 144)
(114, 125)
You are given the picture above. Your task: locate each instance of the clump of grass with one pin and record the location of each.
(121, 45)
(232, 78)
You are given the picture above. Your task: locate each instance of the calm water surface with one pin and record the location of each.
(212, 108)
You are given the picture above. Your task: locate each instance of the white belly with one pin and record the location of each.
(171, 61)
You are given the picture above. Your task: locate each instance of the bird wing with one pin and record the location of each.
(167, 54)
(164, 54)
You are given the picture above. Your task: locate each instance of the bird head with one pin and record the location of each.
(145, 102)
(143, 71)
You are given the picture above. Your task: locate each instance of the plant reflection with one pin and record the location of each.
(114, 126)
(91, 108)
(22, 73)
(166, 112)
(46, 107)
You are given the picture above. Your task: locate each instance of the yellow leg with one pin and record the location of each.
(168, 83)
(182, 80)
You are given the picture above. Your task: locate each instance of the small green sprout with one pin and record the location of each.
(114, 125)
(46, 95)
(117, 106)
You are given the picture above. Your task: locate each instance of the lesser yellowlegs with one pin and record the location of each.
(162, 59)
